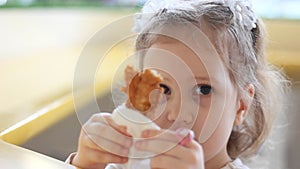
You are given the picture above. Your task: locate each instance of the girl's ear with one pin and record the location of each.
(241, 114)
(242, 111)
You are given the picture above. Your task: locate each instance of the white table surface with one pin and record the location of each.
(14, 157)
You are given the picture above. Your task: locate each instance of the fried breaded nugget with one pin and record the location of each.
(139, 86)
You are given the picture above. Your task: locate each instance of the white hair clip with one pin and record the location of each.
(241, 9)
(243, 12)
(152, 7)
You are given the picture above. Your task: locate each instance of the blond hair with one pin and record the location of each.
(249, 66)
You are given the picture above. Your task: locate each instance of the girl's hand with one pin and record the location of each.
(102, 141)
(171, 154)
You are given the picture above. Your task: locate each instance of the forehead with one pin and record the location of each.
(174, 54)
(177, 58)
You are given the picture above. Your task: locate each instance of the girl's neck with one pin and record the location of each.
(218, 161)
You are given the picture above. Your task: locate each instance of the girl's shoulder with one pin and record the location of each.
(236, 164)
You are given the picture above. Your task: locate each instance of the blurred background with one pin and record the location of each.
(41, 40)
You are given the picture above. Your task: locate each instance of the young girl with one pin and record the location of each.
(216, 82)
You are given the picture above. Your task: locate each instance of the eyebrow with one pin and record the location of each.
(206, 78)
(203, 78)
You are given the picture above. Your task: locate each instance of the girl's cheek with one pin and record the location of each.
(204, 108)
(205, 102)
(202, 100)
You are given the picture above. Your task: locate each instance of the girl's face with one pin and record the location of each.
(204, 101)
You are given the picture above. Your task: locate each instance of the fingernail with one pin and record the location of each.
(185, 136)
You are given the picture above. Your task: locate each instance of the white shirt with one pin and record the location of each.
(144, 164)
(236, 164)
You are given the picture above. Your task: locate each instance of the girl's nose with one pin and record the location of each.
(173, 108)
(172, 114)
(177, 111)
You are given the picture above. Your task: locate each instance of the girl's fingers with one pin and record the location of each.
(193, 159)
(159, 147)
(102, 141)
(101, 133)
(185, 136)
(104, 145)
(122, 129)
(103, 157)
(102, 129)
(167, 143)
(166, 162)
(160, 134)
(107, 133)
(171, 152)
(181, 136)
(91, 158)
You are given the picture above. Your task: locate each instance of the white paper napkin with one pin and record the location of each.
(136, 122)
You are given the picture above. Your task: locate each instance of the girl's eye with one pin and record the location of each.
(203, 89)
(166, 89)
